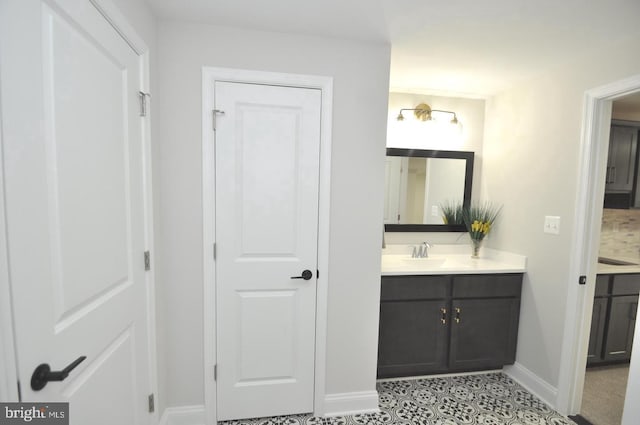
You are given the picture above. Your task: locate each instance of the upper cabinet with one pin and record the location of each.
(621, 162)
(622, 190)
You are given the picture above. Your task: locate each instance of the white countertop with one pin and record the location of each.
(619, 269)
(449, 259)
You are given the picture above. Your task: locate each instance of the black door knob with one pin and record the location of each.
(43, 374)
(306, 275)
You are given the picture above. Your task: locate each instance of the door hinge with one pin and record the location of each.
(19, 392)
(152, 403)
(147, 261)
(215, 372)
(143, 103)
(582, 280)
(215, 113)
(214, 251)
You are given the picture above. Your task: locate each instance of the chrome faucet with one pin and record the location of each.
(421, 251)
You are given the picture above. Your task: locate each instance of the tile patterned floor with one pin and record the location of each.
(486, 399)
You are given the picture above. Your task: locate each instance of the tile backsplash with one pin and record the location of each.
(620, 236)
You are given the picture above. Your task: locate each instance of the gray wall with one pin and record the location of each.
(360, 73)
(531, 155)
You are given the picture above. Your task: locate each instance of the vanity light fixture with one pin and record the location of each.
(423, 113)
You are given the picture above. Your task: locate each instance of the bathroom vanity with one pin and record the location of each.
(448, 313)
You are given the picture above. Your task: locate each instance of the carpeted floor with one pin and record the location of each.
(603, 396)
(484, 399)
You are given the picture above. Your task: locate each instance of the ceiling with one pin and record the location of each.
(627, 104)
(454, 47)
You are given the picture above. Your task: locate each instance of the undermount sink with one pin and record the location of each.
(444, 262)
(427, 261)
(614, 262)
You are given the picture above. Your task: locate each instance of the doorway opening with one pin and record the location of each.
(618, 282)
(591, 189)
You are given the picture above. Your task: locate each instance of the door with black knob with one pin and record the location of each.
(267, 147)
(76, 211)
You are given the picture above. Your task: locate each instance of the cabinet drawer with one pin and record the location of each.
(626, 284)
(486, 286)
(395, 288)
(602, 285)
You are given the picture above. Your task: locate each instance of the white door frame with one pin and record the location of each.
(8, 358)
(586, 236)
(8, 366)
(209, 76)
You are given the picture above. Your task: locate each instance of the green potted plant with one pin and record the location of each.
(478, 219)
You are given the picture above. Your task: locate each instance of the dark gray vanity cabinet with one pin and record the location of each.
(414, 329)
(613, 320)
(462, 323)
(485, 316)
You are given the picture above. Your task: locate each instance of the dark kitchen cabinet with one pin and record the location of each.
(613, 321)
(437, 324)
(596, 340)
(623, 142)
(622, 320)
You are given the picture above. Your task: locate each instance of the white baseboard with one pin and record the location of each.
(354, 403)
(533, 383)
(183, 415)
(334, 405)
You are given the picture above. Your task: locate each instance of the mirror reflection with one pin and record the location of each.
(419, 183)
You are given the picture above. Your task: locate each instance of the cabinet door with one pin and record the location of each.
(596, 338)
(483, 333)
(622, 157)
(622, 320)
(413, 338)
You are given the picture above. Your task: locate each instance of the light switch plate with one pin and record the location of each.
(434, 211)
(552, 224)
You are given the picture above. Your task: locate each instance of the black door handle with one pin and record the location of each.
(43, 374)
(306, 275)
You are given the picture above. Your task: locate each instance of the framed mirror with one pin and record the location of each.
(419, 182)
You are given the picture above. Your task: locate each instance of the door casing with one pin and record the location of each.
(209, 76)
(586, 237)
(8, 359)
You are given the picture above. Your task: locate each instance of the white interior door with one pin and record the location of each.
(267, 171)
(72, 139)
